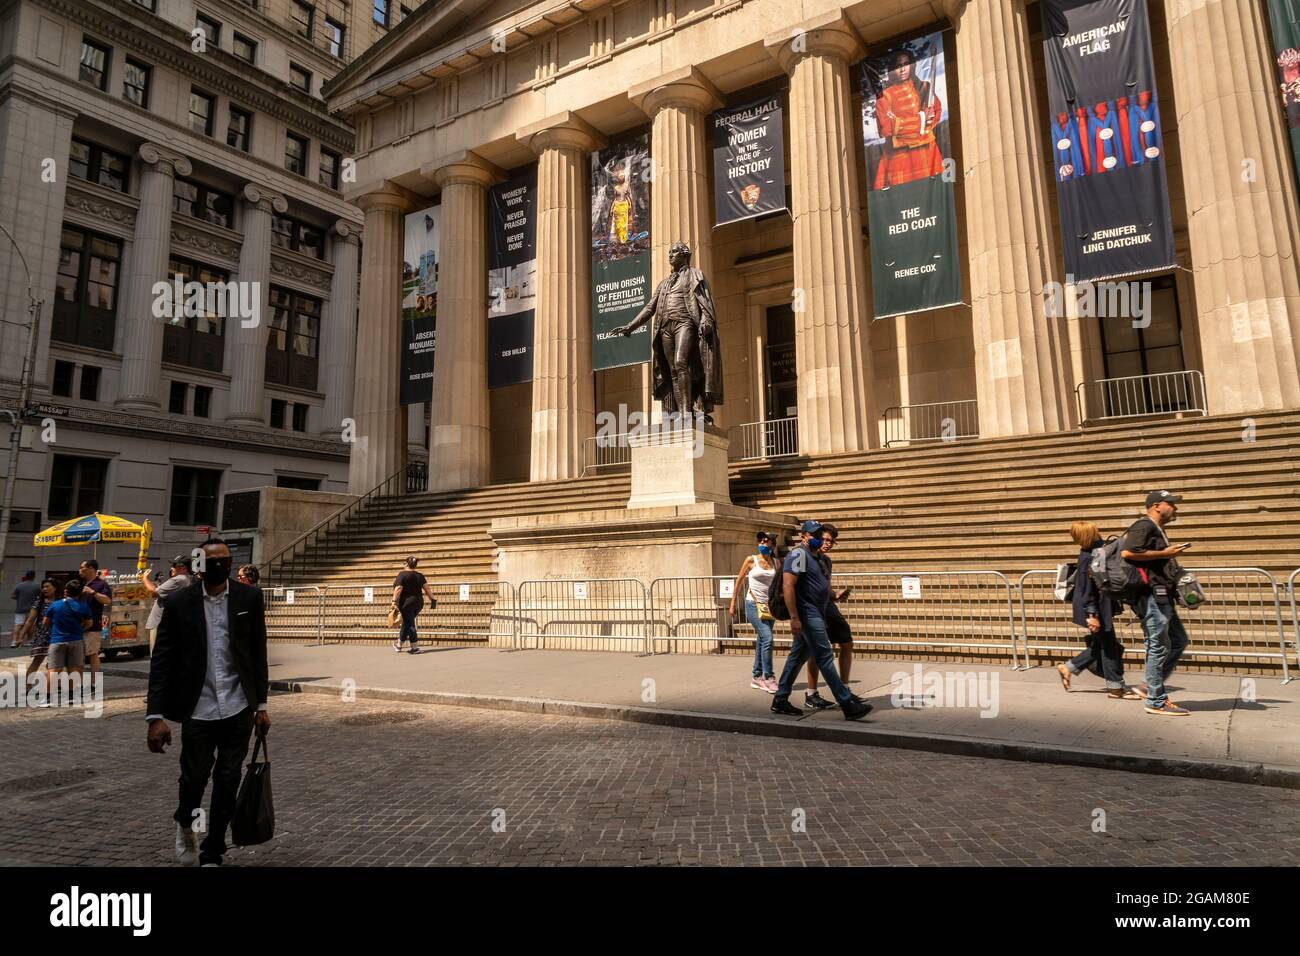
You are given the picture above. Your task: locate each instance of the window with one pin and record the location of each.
(293, 481)
(201, 110)
(295, 153)
(90, 383)
(94, 64)
(380, 12)
(245, 48)
(278, 406)
(147, 4)
(304, 18)
(292, 341)
(61, 384)
(176, 398)
(76, 486)
(334, 36)
(85, 291)
(300, 78)
(202, 202)
(135, 83)
(240, 132)
(291, 234)
(202, 401)
(211, 30)
(194, 495)
(299, 417)
(329, 168)
(95, 164)
(193, 332)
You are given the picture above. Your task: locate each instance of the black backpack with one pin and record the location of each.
(776, 593)
(1115, 577)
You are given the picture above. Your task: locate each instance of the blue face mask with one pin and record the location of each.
(764, 550)
(815, 544)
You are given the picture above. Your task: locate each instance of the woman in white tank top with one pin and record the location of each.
(753, 582)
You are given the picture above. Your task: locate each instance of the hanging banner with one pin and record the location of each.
(1284, 15)
(1106, 141)
(748, 160)
(620, 251)
(419, 306)
(911, 206)
(512, 279)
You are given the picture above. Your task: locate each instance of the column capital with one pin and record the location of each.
(264, 199)
(463, 167)
(953, 9)
(385, 195)
(830, 35)
(686, 87)
(566, 130)
(345, 231)
(167, 160)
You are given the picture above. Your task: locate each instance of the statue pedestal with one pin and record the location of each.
(679, 466)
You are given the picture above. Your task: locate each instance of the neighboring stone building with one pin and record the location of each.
(470, 92)
(126, 156)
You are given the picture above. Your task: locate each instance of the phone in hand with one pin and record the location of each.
(1185, 546)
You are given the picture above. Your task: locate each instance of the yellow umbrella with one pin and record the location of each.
(95, 528)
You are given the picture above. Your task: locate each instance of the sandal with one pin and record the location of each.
(1065, 675)
(1124, 693)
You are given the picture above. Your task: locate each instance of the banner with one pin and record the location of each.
(1284, 15)
(512, 279)
(1106, 139)
(419, 306)
(748, 160)
(911, 206)
(620, 251)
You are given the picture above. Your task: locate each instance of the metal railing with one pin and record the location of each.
(1242, 617)
(606, 451)
(1295, 613)
(417, 477)
(293, 612)
(936, 421)
(690, 610)
(1141, 396)
(756, 441)
(472, 612)
(592, 614)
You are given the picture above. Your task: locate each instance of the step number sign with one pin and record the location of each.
(912, 588)
(369, 596)
(464, 592)
(580, 590)
(288, 597)
(726, 588)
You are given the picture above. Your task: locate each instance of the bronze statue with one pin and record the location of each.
(685, 359)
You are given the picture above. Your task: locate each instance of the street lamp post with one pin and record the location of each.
(15, 416)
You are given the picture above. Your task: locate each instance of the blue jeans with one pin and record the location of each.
(408, 627)
(1103, 656)
(812, 640)
(1165, 640)
(762, 641)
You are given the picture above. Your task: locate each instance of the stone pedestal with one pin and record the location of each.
(679, 466)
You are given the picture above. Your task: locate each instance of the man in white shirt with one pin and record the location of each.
(179, 579)
(208, 673)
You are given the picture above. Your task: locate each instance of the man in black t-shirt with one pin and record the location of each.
(1145, 542)
(408, 597)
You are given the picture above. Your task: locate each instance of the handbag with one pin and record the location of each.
(254, 820)
(764, 612)
(1065, 580)
(394, 616)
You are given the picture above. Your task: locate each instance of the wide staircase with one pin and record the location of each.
(962, 522)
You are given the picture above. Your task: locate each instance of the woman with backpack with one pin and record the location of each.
(753, 582)
(1103, 655)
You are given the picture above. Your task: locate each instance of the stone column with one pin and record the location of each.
(1241, 204)
(380, 447)
(1023, 373)
(460, 446)
(564, 397)
(339, 353)
(246, 345)
(146, 265)
(833, 353)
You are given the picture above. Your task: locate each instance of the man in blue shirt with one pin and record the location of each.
(808, 595)
(68, 618)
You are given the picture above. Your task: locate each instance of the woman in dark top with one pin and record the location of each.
(408, 597)
(40, 626)
(1103, 654)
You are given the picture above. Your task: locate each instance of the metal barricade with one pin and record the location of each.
(692, 611)
(936, 421)
(1140, 396)
(1242, 617)
(756, 441)
(1295, 618)
(295, 613)
(468, 612)
(591, 614)
(604, 452)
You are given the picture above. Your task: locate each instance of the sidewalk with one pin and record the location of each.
(1224, 738)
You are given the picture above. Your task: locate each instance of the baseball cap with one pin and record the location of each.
(181, 560)
(811, 526)
(1158, 496)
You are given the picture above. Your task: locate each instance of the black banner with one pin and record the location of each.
(1106, 139)
(748, 160)
(512, 279)
(620, 251)
(911, 205)
(1284, 15)
(419, 306)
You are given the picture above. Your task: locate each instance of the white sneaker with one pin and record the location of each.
(187, 851)
(397, 646)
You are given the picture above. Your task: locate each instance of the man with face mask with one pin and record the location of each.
(1145, 542)
(208, 673)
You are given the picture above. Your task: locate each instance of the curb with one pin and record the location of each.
(1230, 771)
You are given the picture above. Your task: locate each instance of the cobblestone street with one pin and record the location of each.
(377, 783)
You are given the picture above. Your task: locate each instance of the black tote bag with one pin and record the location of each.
(254, 820)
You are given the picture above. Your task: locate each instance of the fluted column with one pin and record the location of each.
(380, 446)
(1241, 204)
(339, 351)
(246, 344)
(460, 445)
(833, 354)
(1023, 373)
(564, 396)
(147, 265)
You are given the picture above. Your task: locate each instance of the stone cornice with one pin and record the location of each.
(102, 206)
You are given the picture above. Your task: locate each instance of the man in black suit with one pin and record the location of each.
(208, 673)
